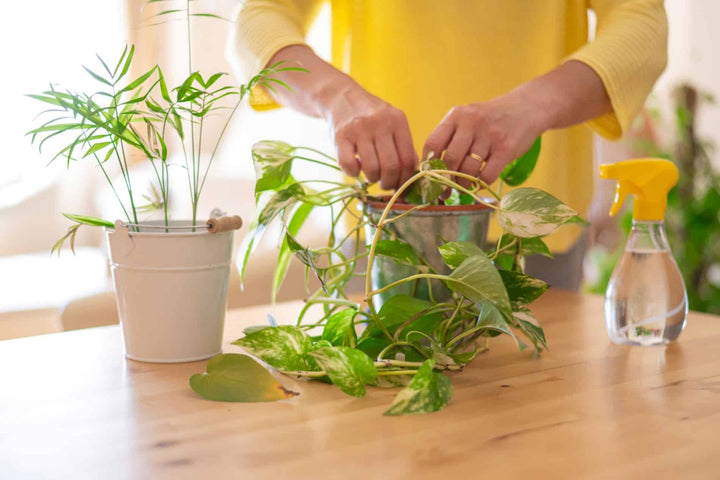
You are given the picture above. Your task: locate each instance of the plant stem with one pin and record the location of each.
(470, 178)
(373, 245)
(405, 280)
(396, 372)
(319, 162)
(303, 373)
(456, 186)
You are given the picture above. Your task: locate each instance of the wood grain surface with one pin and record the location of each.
(72, 407)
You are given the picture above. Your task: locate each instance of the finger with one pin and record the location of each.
(458, 148)
(389, 162)
(406, 152)
(439, 139)
(346, 157)
(496, 162)
(368, 159)
(474, 162)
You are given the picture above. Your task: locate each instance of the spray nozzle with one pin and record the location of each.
(649, 179)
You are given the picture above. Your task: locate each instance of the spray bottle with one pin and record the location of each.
(646, 300)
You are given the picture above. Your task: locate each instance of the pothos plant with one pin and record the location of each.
(408, 341)
(143, 114)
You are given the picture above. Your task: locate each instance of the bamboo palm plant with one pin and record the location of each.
(142, 114)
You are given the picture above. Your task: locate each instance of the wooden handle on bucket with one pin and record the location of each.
(224, 224)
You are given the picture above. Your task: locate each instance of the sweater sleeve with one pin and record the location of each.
(629, 53)
(262, 28)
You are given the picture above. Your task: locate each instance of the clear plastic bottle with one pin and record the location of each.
(645, 303)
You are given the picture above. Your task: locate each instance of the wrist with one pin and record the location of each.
(332, 91)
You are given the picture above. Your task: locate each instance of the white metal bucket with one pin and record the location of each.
(171, 291)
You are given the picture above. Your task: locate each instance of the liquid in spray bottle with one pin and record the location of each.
(646, 300)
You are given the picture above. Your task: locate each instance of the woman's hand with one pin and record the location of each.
(480, 139)
(372, 136)
(502, 129)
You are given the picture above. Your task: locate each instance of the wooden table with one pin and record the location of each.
(72, 407)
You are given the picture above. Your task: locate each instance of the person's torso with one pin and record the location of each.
(426, 56)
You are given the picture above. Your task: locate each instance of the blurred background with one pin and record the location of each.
(47, 41)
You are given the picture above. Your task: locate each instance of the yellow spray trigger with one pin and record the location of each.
(649, 179)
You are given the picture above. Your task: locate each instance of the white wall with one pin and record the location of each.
(694, 56)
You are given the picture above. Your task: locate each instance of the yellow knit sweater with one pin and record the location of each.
(426, 56)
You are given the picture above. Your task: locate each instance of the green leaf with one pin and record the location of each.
(279, 201)
(401, 310)
(492, 322)
(531, 328)
(529, 212)
(96, 148)
(373, 346)
(478, 279)
(308, 257)
(273, 162)
(398, 250)
(232, 377)
(137, 82)
(520, 169)
(283, 261)
(490, 318)
(97, 77)
(522, 289)
(340, 329)
(348, 368)
(92, 221)
(163, 87)
(429, 391)
(121, 59)
(430, 189)
(534, 246)
(285, 347)
(454, 253)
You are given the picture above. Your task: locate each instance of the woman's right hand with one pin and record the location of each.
(372, 136)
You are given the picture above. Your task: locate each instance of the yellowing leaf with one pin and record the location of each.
(233, 377)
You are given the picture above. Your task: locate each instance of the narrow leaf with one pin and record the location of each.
(92, 221)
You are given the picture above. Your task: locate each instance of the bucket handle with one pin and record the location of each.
(214, 225)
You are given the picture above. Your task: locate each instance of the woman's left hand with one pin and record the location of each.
(480, 139)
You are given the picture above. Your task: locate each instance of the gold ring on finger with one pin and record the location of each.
(477, 157)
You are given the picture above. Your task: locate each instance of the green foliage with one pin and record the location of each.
(520, 169)
(408, 335)
(528, 212)
(429, 391)
(339, 329)
(238, 378)
(79, 220)
(398, 250)
(141, 114)
(347, 368)
(284, 347)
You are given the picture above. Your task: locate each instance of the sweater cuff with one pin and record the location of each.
(611, 125)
